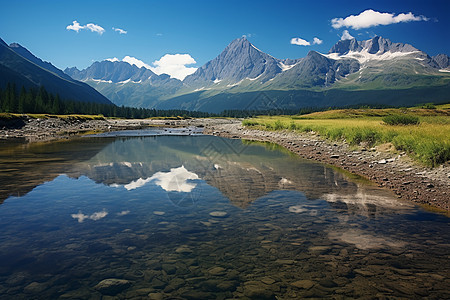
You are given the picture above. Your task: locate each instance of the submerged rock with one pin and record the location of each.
(197, 295)
(303, 284)
(258, 291)
(183, 250)
(216, 271)
(34, 288)
(112, 286)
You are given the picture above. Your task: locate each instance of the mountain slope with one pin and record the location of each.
(126, 84)
(240, 60)
(312, 72)
(29, 71)
(375, 71)
(43, 64)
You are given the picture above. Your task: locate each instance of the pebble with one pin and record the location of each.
(34, 288)
(303, 284)
(183, 250)
(258, 291)
(218, 214)
(112, 286)
(216, 271)
(268, 280)
(156, 296)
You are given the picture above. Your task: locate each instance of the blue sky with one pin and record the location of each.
(203, 29)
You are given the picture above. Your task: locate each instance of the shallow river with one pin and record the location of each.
(202, 217)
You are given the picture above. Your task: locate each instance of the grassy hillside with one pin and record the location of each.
(210, 101)
(428, 141)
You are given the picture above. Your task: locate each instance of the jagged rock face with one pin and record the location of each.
(126, 84)
(238, 61)
(345, 46)
(316, 70)
(376, 45)
(442, 60)
(111, 71)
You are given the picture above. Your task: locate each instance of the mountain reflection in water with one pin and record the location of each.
(242, 172)
(202, 217)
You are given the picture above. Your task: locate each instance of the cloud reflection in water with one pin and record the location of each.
(174, 181)
(95, 216)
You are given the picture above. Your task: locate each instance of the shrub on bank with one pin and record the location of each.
(401, 120)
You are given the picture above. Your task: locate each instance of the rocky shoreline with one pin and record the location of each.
(381, 165)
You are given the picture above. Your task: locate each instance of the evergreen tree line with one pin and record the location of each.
(38, 100)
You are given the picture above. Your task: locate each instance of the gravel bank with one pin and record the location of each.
(43, 130)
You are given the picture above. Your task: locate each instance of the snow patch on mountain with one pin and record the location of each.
(284, 67)
(99, 80)
(364, 56)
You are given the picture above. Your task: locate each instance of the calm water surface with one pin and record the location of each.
(201, 217)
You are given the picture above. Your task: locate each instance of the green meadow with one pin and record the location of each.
(424, 133)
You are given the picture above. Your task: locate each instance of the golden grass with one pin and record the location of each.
(428, 142)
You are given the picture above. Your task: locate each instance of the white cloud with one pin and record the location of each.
(134, 61)
(346, 35)
(317, 41)
(92, 27)
(174, 65)
(300, 42)
(370, 18)
(75, 26)
(121, 31)
(95, 28)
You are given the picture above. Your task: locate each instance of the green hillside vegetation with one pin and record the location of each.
(427, 141)
(216, 102)
(39, 101)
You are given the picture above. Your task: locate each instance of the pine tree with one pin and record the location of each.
(56, 109)
(6, 104)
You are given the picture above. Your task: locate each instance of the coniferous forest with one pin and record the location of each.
(39, 101)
